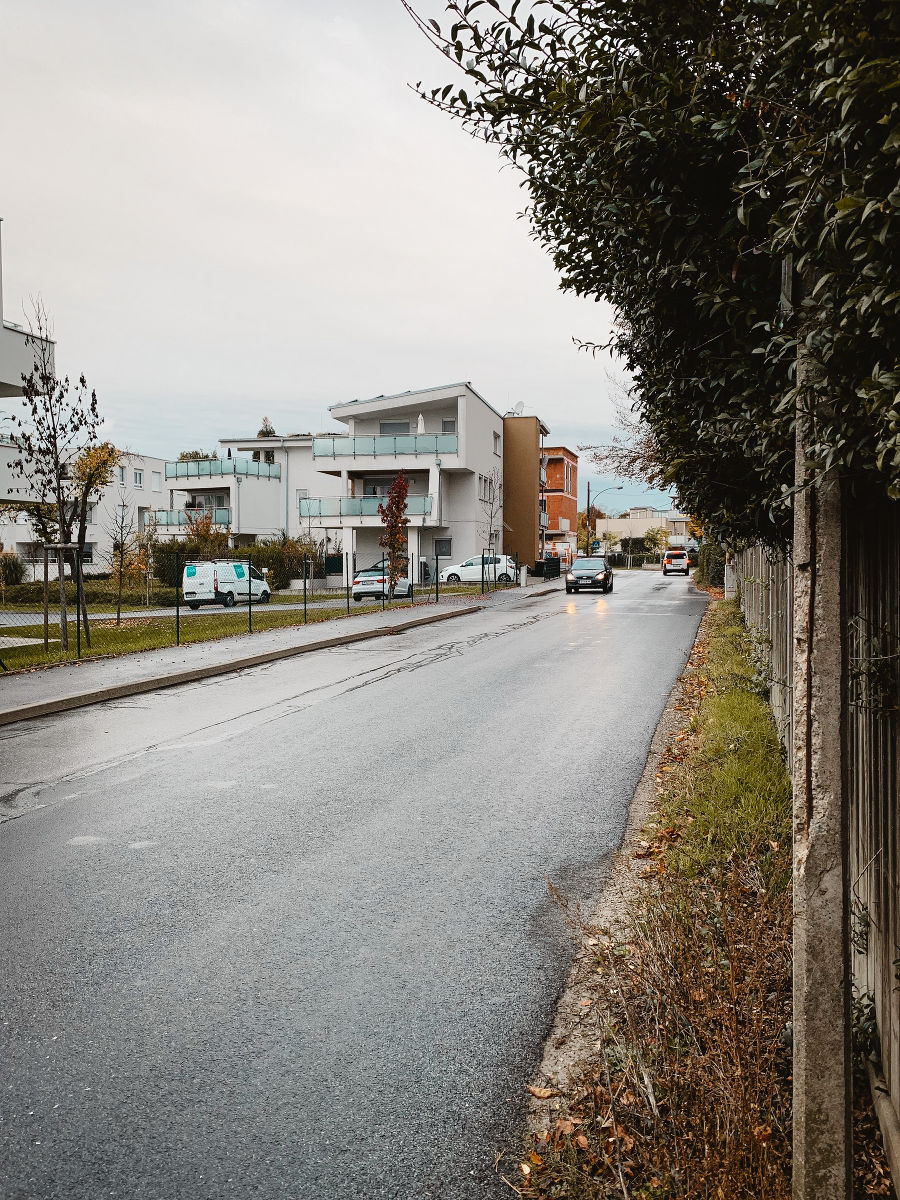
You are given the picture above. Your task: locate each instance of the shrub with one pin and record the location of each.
(281, 557)
(12, 570)
(710, 566)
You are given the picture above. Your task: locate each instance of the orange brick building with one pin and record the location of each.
(561, 495)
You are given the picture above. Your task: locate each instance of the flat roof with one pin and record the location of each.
(445, 387)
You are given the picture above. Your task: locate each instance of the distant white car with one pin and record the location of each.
(374, 581)
(223, 582)
(494, 568)
(676, 560)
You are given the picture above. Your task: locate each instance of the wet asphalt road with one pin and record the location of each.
(286, 933)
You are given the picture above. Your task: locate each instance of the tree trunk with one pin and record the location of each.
(119, 596)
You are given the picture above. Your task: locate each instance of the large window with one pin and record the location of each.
(394, 428)
(121, 474)
(156, 481)
(377, 485)
(139, 479)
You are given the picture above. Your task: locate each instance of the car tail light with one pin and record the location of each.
(215, 581)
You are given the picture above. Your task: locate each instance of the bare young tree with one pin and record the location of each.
(633, 453)
(491, 499)
(59, 426)
(121, 557)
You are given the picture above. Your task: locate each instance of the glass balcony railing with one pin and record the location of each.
(360, 506)
(198, 468)
(545, 520)
(387, 447)
(179, 517)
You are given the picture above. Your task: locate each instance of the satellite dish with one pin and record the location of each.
(517, 408)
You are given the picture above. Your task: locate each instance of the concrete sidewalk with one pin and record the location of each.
(28, 694)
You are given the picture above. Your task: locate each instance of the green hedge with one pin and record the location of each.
(710, 565)
(283, 563)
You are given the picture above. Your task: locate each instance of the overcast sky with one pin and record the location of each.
(238, 208)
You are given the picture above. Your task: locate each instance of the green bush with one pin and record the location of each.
(710, 565)
(282, 558)
(12, 569)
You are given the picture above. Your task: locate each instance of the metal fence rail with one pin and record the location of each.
(871, 589)
(165, 609)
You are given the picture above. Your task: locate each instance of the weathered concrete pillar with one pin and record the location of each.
(822, 980)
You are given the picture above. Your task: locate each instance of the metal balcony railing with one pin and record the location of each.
(199, 468)
(360, 506)
(386, 447)
(179, 517)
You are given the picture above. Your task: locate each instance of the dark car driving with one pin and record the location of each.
(590, 573)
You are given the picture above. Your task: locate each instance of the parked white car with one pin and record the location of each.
(494, 568)
(373, 581)
(223, 582)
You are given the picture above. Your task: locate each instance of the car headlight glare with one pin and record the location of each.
(570, 576)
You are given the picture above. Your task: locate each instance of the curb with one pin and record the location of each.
(82, 699)
(573, 1033)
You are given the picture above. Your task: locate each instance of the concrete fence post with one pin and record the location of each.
(822, 979)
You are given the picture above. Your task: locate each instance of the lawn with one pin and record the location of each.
(152, 633)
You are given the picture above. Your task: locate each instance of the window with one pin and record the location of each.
(121, 474)
(394, 428)
(256, 456)
(443, 547)
(269, 456)
(496, 443)
(377, 486)
(156, 481)
(448, 425)
(139, 479)
(91, 511)
(87, 555)
(485, 488)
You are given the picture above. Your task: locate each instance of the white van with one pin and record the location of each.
(223, 582)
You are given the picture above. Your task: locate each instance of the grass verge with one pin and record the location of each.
(686, 1091)
(153, 633)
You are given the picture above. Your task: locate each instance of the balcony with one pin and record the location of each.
(542, 476)
(545, 520)
(202, 468)
(385, 447)
(178, 518)
(360, 506)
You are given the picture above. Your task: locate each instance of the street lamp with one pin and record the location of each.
(587, 515)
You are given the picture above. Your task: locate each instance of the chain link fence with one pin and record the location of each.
(184, 598)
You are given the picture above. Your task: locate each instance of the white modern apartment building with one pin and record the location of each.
(448, 441)
(137, 487)
(16, 348)
(638, 520)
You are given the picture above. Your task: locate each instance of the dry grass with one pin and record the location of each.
(687, 1091)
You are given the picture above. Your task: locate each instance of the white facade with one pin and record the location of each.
(640, 520)
(243, 488)
(16, 348)
(138, 483)
(448, 441)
